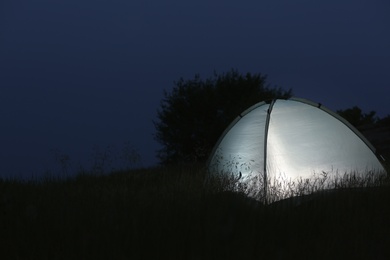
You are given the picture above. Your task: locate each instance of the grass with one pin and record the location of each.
(173, 213)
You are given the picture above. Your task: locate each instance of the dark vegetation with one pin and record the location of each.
(375, 129)
(173, 213)
(195, 112)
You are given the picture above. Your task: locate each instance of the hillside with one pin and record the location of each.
(172, 214)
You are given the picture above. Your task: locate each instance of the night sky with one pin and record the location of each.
(77, 76)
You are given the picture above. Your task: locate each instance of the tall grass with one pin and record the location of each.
(179, 213)
(282, 188)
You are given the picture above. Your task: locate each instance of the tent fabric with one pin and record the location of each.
(294, 138)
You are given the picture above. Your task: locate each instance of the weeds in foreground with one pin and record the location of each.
(179, 213)
(103, 160)
(281, 187)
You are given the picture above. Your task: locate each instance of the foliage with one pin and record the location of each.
(375, 129)
(357, 118)
(195, 113)
(102, 161)
(385, 121)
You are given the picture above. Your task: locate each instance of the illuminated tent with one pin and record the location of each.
(281, 141)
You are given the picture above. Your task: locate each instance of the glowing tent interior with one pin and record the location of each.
(290, 139)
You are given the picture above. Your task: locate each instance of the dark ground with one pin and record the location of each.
(170, 214)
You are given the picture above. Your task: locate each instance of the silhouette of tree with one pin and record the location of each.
(385, 121)
(357, 118)
(195, 113)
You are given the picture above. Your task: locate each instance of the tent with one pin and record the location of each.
(283, 143)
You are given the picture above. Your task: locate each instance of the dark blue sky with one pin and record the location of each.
(79, 73)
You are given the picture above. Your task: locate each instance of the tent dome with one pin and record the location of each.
(290, 140)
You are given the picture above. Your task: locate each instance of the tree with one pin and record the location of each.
(385, 121)
(357, 118)
(195, 113)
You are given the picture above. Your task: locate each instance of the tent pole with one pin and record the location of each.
(265, 151)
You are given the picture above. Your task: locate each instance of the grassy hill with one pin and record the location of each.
(169, 213)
